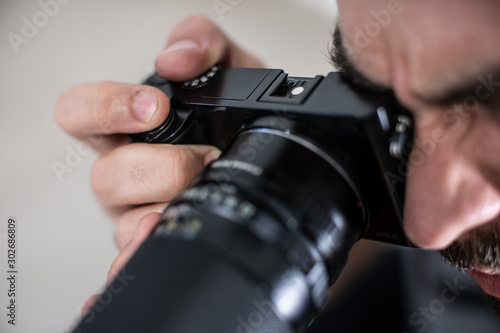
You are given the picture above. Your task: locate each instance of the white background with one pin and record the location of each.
(65, 242)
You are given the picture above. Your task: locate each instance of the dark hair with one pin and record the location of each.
(342, 63)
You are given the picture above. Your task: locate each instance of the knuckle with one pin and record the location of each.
(179, 163)
(136, 173)
(100, 178)
(109, 106)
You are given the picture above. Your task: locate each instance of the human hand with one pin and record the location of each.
(133, 191)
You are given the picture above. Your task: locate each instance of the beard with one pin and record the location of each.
(479, 250)
(493, 301)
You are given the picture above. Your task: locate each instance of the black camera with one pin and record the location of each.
(309, 166)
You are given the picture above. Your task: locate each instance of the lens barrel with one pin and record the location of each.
(252, 247)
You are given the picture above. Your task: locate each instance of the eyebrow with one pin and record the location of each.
(469, 88)
(458, 93)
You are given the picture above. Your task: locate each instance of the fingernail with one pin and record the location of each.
(88, 304)
(145, 105)
(134, 236)
(210, 157)
(182, 45)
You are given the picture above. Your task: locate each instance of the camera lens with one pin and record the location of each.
(252, 247)
(280, 210)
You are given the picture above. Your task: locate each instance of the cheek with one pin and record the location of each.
(447, 192)
(483, 147)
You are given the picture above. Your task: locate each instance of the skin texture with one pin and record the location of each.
(436, 56)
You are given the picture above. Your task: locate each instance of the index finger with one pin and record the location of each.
(101, 113)
(194, 45)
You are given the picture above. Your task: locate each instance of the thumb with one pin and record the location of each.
(194, 45)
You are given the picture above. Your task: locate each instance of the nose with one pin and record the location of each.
(447, 192)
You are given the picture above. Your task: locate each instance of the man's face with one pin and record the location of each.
(442, 60)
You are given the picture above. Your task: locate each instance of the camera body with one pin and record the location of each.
(371, 130)
(309, 166)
